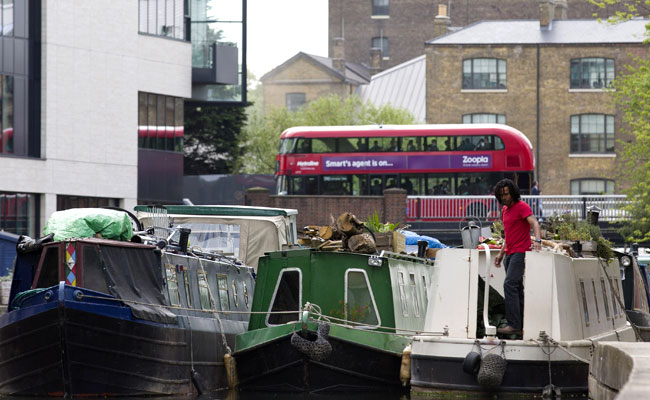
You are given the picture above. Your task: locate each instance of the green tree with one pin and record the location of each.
(632, 96)
(211, 133)
(261, 136)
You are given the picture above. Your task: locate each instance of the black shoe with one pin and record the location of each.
(509, 330)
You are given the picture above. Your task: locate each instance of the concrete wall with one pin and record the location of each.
(620, 370)
(94, 62)
(317, 210)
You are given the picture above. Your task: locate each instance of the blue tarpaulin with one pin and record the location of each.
(413, 238)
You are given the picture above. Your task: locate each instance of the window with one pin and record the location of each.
(592, 133)
(287, 297)
(172, 285)
(585, 309)
(381, 43)
(17, 213)
(49, 273)
(7, 18)
(204, 291)
(359, 300)
(93, 274)
(163, 18)
(414, 296)
(380, 8)
(484, 73)
(402, 293)
(595, 186)
(592, 73)
(67, 202)
(160, 122)
(222, 287)
(602, 284)
(235, 294)
(484, 119)
(593, 287)
(6, 114)
(294, 101)
(188, 291)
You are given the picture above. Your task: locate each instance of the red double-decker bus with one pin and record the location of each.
(463, 159)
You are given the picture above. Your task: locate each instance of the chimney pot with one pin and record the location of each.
(546, 13)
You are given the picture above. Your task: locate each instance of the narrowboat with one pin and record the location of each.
(569, 304)
(332, 321)
(103, 316)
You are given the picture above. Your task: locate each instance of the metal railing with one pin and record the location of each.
(430, 208)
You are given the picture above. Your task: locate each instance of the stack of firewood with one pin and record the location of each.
(344, 233)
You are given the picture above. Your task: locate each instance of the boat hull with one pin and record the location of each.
(276, 365)
(72, 348)
(443, 374)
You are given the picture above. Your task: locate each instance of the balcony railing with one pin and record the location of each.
(431, 208)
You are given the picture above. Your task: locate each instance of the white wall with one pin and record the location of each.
(94, 62)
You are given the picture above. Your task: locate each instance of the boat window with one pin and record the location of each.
(286, 297)
(402, 293)
(614, 291)
(188, 293)
(172, 285)
(204, 291)
(359, 298)
(49, 275)
(593, 286)
(222, 286)
(220, 238)
(245, 291)
(235, 295)
(415, 297)
(584, 302)
(426, 289)
(93, 274)
(602, 284)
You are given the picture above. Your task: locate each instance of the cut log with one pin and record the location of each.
(348, 224)
(325, 232)
(362, 243)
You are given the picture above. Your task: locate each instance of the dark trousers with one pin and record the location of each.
(513, 287)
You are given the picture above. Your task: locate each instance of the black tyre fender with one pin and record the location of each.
(472, 363)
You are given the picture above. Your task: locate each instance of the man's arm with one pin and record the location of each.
(538, 233)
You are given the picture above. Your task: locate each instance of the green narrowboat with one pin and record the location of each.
(332, 321)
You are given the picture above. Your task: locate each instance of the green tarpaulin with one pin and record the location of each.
(89, 222)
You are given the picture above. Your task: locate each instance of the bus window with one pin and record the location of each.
(303, 145)
(360, 185)
(336, 184)
(431, 143)
(498, 143)
(376, 186)
(464, 143)
(391, 144)
(323, 145)
(359, 144)
(287, 146)
(411, 183)
(449, 143)
(411, 144)
(346, 145)
(303, 185)
(439, 185)
(391, 181)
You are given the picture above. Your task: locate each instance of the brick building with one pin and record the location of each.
(547, 78)
(401, 27)
(306, 77)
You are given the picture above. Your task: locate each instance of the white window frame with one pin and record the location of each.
(275, 292)
(372, 296)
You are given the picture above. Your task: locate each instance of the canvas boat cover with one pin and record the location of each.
(134, 275)
(89, 222)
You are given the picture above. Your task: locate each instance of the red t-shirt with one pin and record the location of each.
(516, 228)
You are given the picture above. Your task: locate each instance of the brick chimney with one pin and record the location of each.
(561, 8)
(546, 13)
(375, 60)
(441, 22)
(338, 55)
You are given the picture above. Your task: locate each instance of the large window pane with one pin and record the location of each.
(360, 303)
(286, 298)
(380, 7)
(381, 43)
(592, 186)
(294, 101)
(592, 133)
(6, 114)
(17, 212)
(592, 73)
(484, 73)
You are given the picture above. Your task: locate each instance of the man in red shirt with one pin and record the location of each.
(517, 219)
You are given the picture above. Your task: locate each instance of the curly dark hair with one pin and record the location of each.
(514, 190)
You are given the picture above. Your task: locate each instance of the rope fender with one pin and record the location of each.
(318, 349)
